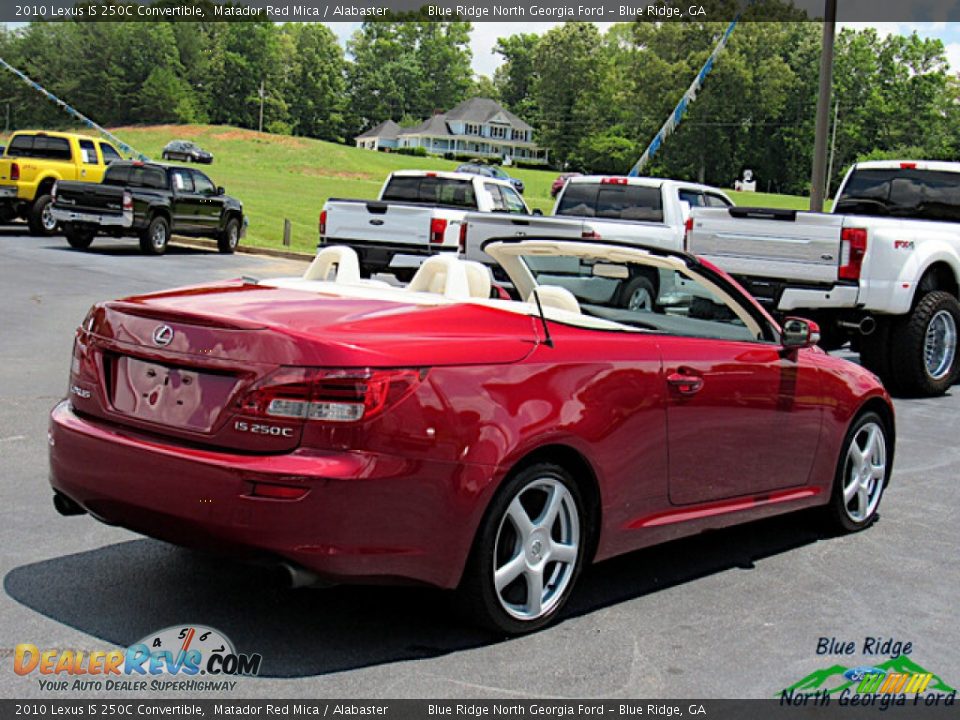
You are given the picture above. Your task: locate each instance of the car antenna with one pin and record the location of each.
(543, 319)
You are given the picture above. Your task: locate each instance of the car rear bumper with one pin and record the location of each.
(62, 215)
(364, 517)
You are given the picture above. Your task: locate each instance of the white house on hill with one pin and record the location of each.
(479, 127)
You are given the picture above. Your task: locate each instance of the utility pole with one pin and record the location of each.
(833, 145)
(262, 95)
(818, 179)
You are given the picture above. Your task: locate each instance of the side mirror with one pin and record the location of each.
(537, 211)
(220, 190)
(799, 333)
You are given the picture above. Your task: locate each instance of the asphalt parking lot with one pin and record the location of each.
(737, 613)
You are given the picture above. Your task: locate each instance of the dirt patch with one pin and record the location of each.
(329, 173)
(237, 134)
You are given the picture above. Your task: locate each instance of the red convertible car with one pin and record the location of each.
(444, 434)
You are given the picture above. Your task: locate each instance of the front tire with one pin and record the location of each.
(230, 237)
(528, 552)
(154, 240)
(924, 357)
(79, 238)
(40, 218)
(862, 474)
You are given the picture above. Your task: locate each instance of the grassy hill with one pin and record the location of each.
(279, 177)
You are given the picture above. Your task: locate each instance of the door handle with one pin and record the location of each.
(684, 382)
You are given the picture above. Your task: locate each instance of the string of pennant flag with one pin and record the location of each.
(681, 109)
(73, 111)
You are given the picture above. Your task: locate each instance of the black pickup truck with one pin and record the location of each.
(150, 201)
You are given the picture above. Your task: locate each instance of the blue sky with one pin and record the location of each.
(485, 35)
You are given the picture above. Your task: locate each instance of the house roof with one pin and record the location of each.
(435, 125)
(387, 130)
(481, 110)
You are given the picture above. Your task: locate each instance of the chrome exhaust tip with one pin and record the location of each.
(299, 577)
(865, 326)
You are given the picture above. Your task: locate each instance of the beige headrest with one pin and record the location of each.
(442, 275)
(478, 278)
(342, 259)
(555, 296)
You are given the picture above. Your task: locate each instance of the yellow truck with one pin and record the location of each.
(34, 161)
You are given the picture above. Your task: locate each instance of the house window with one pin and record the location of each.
(497, 131)
(519, 135)
(471, 129)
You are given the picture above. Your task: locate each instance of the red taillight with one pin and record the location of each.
(590, 235)
(278, 492)
(322, 223)
(614, 181)
(14, 171)
(908, 166)
(463, 237)
(853, 246)
(127, 200)
(328, 395)
(687, 229)
(438, 228)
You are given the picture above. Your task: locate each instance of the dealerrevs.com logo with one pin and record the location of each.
(173, 659)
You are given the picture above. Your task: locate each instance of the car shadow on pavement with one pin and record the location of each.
(127, 247)
(121, 593)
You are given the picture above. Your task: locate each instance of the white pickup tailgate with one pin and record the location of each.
(483, 226)
(375, 221)
(781, 244)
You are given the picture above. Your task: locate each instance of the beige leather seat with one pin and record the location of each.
(442, 275)
(556, 297)
(478, 279)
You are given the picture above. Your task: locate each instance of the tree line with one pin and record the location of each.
(594, 98)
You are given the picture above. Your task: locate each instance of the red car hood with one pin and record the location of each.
(240, 321)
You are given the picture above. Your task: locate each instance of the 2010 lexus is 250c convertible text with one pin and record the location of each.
(445, 434)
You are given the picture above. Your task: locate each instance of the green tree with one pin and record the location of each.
(316, 83)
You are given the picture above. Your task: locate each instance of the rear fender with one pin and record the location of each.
(923, 257)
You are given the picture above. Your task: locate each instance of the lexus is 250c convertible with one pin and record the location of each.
(445, 434)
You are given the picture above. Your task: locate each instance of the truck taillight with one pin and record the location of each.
(340, 396)
(687, 229)
(438, 228)
(613, 181)
(322, 223)
(14, 171)
(591, 235)
(853, 246)
(463, 237)
(127, 200)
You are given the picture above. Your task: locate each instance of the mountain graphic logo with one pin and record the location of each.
(837, 678)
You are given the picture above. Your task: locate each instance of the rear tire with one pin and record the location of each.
(154, 240)
(924, 357)
(230, 237)
(638, 294)
(40, 218)
(528, 552)
(863, 472)
(79, 238)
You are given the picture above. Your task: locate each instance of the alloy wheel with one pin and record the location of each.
(536, 550)
(940, 345)
(864, 472)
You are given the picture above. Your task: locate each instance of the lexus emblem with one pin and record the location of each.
(163, 335)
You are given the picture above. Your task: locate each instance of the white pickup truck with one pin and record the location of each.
(631, 210)
(880, 270)
(419, 213)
